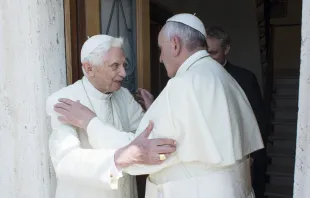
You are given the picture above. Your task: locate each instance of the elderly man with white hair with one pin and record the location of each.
(86, 165)
(204, 109)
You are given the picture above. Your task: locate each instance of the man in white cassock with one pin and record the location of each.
(86, 165)
(204, 109)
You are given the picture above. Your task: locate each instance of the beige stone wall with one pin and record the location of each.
(302, 168)
(32, 65)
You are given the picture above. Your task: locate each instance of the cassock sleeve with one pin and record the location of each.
(101, 133)
(71, 162)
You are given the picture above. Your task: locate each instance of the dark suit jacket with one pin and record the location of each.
(249, 84)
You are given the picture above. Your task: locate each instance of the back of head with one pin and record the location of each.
(219, 34)
(188, 28)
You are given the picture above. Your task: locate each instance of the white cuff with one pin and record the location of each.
(115, 172)
(115, 175)
(93, 123)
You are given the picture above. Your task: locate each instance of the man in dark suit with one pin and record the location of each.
(218, 47)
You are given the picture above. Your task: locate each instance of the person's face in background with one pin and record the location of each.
(216, 50)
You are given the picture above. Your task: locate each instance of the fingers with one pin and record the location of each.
(138, 96)
(141, 103)
(155, 159)
(63, 106)
(148, 129)
(66, 101)
(147, 93)
(144, 94)
(140, 89)
(61, 111)
(158, 160)
(165, 149)
(63, 119)
(164, 141)
(66, 104)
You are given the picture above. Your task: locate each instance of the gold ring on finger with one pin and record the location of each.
(162, 157)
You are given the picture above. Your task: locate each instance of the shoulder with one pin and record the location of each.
(180, 81)
(187, 83)
(246, 74)
(241, 70)
(70, 92)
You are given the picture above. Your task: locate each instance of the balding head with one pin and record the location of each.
(178, 41)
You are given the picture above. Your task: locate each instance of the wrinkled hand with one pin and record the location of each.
(144, 98)
(144, 151)
(74, 113)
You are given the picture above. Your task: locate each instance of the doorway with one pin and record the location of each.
(130, 19)
(84, 19)
(159, 77)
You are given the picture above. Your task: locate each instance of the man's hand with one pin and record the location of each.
(144, 98)
(74, 113)
(144, 151)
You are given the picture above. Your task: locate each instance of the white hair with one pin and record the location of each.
(95, 58)
(189, 36)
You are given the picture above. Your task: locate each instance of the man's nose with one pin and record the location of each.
(160, 59)
(122, 72)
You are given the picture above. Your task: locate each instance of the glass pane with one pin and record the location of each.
(118, 19)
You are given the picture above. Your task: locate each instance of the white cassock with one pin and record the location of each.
(204, 109)
(84, 165)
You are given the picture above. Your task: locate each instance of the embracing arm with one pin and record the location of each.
(164, 128)
(70, 161)
(100, 133)
(189, 128)
(139, 151)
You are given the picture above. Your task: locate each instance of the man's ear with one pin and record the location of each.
(176, 45)
(227, 49)
(88, 69)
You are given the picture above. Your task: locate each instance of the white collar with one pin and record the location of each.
(93, 92)
(225, 63)
(191, 60)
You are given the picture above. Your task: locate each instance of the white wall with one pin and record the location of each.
(32, 65)
(237, 17)
(302, 170)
